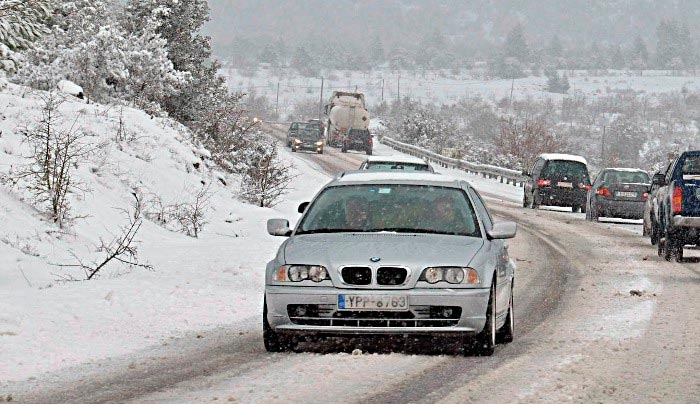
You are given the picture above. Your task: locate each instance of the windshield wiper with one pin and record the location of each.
(331, 230)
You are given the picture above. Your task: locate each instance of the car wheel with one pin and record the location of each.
(533, 203)
(662, 241)
(505, 334)
(575, 208)
(274, 342)
(485, 342)
(654, 236)
(668, 246)
(369, 152)
(583, 208)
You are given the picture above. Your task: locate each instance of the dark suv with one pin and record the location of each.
(557, 180)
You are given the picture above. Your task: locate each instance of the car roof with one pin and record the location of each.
(563, 156)
(406, 159)
(626, 169)
(356, 177)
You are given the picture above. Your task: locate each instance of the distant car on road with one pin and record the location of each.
(557, 179)
(400, 254)
(619, 193)
(293, 130)
(396, 162)
(308, 138)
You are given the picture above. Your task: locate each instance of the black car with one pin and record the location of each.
(557, 179)
(619, 193)
(308, 139)
(293, 130)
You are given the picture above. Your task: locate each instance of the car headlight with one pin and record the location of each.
(453, 275)
(297, 141)
(298, 273)
(319, 143)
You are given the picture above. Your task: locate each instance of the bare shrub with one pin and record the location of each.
(56, 150)
(526, 140)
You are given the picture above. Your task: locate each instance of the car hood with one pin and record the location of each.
(415, 251)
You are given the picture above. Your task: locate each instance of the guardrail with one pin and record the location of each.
(504, 175)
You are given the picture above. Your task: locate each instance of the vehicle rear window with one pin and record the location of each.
(626, 177)
(398, 208)
(388, 165)
(691, 164)
(557, 168)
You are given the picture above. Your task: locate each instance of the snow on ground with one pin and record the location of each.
(202, 283)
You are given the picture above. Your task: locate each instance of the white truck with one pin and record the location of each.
(348, 122)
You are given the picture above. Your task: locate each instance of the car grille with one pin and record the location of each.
(326, 315)
(391, 276)
(386, 276)
(357, 275)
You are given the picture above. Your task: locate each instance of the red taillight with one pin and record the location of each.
(677, 200)
(645, 195)
(581, 185)
(541, 182)
(603, 191)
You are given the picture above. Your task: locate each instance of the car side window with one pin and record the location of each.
(480, 207)
(537, 167)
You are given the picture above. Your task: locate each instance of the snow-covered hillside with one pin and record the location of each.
(48, 322)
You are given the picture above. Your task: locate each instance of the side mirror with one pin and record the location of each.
(659, 179)
(302, 207)
(501, 230)
(278, 227)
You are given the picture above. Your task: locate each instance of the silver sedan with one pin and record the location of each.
(391, 254)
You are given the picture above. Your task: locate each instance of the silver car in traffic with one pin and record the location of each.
(397, 253)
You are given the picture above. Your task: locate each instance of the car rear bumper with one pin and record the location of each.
(423, 317)
(621, 209)
(562, 196)
(686, 221)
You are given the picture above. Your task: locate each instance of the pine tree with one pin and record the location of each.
(178, 22)
(640, 55)
(22, 22)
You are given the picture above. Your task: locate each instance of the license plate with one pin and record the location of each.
(373, 302)
(565, 184)
(626, 194)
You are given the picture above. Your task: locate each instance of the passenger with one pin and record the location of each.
(357, 213)
(444, 215)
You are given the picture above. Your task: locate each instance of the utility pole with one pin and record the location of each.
(277, 101)
(512, 84)
(382, 89)
(602, 148)
(398, 89)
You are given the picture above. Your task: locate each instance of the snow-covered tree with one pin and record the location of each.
(21, 23)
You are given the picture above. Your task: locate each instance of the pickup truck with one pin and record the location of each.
(678, 205)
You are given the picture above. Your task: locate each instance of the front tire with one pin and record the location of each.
(485, 342)
(505, 334)
(274, 342)
(654, 236)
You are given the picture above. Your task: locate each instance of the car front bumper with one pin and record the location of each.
(421, 318)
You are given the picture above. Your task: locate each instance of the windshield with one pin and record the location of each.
(309, 134)
(396, 208)
(389, 165)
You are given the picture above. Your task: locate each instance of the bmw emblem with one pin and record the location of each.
(374, 259)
